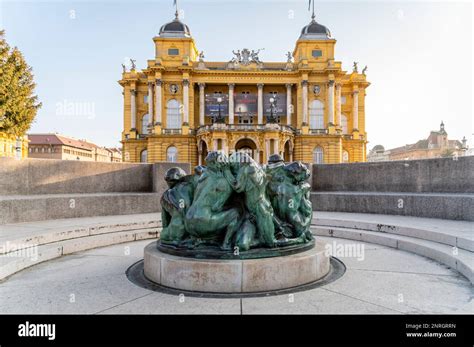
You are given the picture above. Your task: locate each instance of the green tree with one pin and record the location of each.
(18, 103)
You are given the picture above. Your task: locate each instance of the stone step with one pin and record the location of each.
(458, 259)
(23, 235)
(29, 208)
(428, 205)
(454, 233)
(14, 262)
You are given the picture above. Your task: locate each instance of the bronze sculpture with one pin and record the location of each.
(234, 205)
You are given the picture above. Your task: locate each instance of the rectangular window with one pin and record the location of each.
(317, 53)
(173, 51)
(343, 100)
(145, 99)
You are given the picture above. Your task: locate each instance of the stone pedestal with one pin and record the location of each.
(235, 276)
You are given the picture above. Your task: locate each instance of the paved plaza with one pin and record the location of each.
(385, 281)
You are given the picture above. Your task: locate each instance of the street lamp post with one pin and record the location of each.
(272, 118)
(219, 118)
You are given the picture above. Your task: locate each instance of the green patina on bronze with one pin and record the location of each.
(234, 208)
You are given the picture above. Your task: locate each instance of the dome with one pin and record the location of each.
(378, 149)
(315, 31)
(176, 28)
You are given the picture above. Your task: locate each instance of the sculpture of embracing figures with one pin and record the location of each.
(234, 203)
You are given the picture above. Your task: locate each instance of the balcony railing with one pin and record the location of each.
(243, 127)
(171, 131)
(318, 131)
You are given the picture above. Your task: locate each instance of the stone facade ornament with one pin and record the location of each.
(245, 57)
(201, 56)
(124, 68)
(317, 89)
(132, 62)
(174, 88)
(364, 70)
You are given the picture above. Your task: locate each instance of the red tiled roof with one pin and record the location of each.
(56, 139)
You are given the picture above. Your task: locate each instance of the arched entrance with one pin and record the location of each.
(249, 147)
(288, 152)
(202, 152)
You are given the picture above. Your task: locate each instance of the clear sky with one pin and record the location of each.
(419, 56)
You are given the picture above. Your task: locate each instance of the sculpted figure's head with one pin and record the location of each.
(174, 175)
(199, 170)
(298, 171)
(275, 158)
(216, 159)
(239, 159)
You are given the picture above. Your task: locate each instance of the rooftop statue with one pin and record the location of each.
(235, 205)
(354, 67)
(246, 57)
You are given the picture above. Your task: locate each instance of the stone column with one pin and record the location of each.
(276, 148)
(267, 148)
(133, 111)
(186, 102)
(256, 155)
(331, 102)
(150, 104)
(355, 109)
(260, 103)
(215, 145)
(231, 103)
(338, 104)
(201, 103)
(305, 101)
(158, 85)
(289, 106)
(224, 146)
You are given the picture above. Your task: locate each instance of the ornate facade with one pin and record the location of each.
(10, 145)
(182, 106)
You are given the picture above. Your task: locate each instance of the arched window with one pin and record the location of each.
(144, 156)
(145, 121)
(172, 154)
(344, 124)
(345, 156)
(316, 115)
(318, 155)
(173, 115)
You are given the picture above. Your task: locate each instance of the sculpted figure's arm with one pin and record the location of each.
(241, 180)
(229, 177)
(238, 183)
(165, 218)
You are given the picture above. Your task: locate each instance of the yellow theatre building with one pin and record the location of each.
(181, 106)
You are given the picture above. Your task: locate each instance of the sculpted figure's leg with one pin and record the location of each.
(264, 219)
(245, 238)
(175, 232)
(232, 218)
